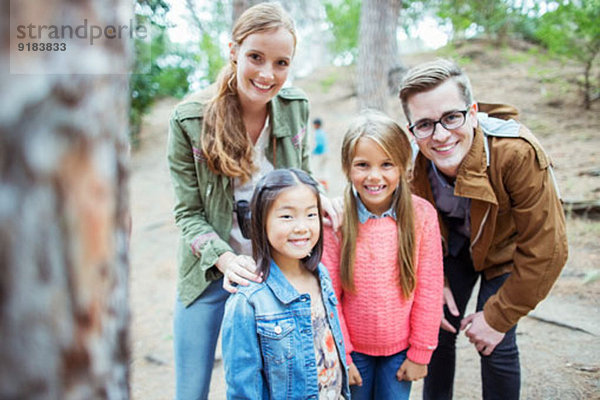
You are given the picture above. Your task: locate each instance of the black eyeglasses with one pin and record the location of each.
(451, 120)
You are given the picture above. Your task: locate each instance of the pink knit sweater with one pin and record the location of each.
(377, 320)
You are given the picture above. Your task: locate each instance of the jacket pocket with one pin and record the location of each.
(276, 339)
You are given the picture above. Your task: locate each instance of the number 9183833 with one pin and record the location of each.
(44, 46)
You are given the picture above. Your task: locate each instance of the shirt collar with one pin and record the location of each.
(364, 214)
(440, 178)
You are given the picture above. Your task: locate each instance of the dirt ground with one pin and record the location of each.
(559, 341)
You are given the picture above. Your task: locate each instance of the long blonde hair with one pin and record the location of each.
(225, 143)
(394, 142)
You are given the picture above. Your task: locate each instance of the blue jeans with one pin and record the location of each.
(500, 371)
(379, 377)
(196, 330)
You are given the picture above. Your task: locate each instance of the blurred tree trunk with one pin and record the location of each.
(239, 6)
(64, 310)
(377, 51)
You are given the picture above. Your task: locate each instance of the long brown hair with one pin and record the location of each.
(225, 143)
(394, 142)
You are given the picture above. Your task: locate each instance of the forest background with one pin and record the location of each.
(86, 294)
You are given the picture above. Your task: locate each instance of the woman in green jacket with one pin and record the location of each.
(219, 146)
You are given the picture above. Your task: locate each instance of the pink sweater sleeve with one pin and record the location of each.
(427, 309)
(331, 260)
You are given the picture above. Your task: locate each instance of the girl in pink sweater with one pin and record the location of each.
(385, 264)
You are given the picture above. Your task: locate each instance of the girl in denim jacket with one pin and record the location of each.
(282, 337)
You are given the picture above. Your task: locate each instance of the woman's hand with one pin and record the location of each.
(411, 371)
(354, 377)
(237, 270)
(334, 211)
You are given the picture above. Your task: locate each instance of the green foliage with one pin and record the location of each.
(166, 76)
(573, 31)
(210, 59)
(498, 19)
(328, 81)
(514, 57)
(344, 17)
(209, 20)
(160, 69)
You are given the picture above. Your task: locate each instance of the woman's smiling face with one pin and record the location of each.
(263, 62)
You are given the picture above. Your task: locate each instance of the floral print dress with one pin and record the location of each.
(329, 367)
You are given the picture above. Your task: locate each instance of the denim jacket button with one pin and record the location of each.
(331, 315)
(277, 329)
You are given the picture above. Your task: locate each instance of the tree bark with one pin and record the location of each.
(377, 52)
(64, 310)
(239, 6)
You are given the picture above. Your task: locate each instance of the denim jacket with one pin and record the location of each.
(268, 348)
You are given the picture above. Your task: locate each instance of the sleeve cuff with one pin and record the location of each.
(420, 355)
(209, 255)
(494, 316)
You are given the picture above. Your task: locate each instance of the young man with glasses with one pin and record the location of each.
(500, 216)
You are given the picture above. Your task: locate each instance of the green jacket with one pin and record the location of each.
(204, 200)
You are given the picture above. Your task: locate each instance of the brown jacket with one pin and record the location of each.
(517, 221)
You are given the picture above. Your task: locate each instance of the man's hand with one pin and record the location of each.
(484, 337)
(354, 377)
(237, 270)
(451, 304)
(411, 371)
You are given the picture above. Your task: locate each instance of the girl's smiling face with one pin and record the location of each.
(292, 225)
(374, 175)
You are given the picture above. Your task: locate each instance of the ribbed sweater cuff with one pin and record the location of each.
(419, 355)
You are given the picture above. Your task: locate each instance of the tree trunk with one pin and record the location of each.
(396, 67)
(377, 51)
(587, 87)
(239, 6)
(64, 310)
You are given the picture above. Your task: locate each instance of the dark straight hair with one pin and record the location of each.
(266, 192)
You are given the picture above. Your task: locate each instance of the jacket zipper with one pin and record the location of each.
(480, 230)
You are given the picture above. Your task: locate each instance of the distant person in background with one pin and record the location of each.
(320, 150)
(219, 146)
(500, 215)
(321, 145)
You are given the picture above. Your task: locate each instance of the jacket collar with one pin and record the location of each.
(280, 286)
(281, 126)
(472, 180)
